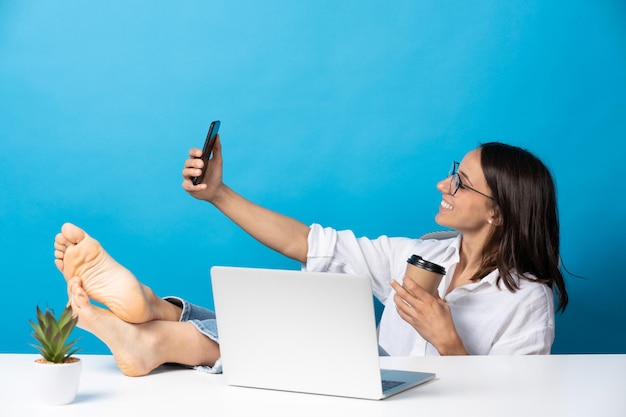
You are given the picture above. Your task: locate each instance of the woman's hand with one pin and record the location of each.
(429, 315)
(212, 182)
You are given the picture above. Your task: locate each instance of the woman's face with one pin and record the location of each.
(467, 210)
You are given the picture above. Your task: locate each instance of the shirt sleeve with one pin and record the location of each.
(381, 259)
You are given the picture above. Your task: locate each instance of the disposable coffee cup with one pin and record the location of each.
(426, 274)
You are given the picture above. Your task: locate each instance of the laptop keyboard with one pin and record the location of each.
(388, 384)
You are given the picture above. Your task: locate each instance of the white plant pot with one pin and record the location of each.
(57, 383)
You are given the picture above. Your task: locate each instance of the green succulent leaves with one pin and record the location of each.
(52, 334)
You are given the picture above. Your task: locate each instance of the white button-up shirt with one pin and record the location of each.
(490, 319)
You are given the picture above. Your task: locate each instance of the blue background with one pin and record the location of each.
(345, 113)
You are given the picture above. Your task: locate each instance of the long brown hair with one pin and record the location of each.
(526, 239)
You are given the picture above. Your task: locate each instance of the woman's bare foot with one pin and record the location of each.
(131, 348)
(138, 349)
(104, 280)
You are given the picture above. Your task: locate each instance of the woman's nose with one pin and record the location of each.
(444, 185)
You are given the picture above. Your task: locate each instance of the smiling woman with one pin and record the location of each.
(469, 313)
(352, 107)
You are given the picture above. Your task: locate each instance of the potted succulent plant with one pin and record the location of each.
(57, 371)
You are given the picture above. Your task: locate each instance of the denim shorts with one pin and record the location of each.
(204, 320)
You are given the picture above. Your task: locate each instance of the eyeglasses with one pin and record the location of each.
(456, 183)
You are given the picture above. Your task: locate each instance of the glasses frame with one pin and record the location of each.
(456, 183)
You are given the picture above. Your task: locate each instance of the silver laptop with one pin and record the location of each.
(308, 332)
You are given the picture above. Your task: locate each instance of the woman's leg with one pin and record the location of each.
(104, 280)
(140, 348)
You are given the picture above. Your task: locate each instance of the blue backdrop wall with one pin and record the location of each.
(343, 113)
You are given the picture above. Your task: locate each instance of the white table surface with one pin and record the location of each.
(530, 386)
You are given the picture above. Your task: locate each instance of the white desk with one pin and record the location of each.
(529, 386)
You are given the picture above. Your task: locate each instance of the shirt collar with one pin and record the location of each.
(452, 252)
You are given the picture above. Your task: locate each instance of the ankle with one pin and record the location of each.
(169, 309)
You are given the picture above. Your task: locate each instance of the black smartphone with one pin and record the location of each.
(207, 149)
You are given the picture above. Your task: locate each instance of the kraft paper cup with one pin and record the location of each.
(426, 274)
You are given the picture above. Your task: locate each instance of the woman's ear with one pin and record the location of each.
(495, 221)
(496, 218)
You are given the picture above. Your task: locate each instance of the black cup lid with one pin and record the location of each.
(414, 259)
(427, 265)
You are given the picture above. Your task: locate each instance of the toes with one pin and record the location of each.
(61, 241)
(59, 264)
(76, 293)
(72, 233)
(71, 284)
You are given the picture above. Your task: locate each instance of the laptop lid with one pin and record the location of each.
(300, 331)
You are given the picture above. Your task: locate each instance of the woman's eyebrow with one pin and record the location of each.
(466, 178)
